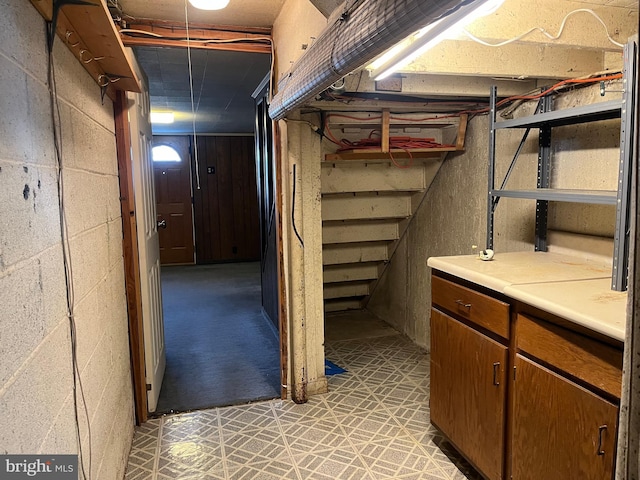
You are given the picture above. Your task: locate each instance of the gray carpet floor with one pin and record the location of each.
(220, 349)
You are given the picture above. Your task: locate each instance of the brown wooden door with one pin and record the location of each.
(226, 205)
(468, 385)
(559, 428)
(173, 203)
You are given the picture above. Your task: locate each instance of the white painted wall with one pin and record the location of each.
(302, 266)
(36, 398)
(298, 23)
(453, 216)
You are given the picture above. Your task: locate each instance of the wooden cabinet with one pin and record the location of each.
(553, 416)
(468, 393)
(560, 429)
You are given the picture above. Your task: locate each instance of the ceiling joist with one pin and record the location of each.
(509, 61)
(169, 34)
(582, 48)
(581, 30)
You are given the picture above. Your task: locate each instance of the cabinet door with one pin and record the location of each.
(560, 430)
(468, 383)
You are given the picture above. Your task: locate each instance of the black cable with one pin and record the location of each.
(293, 207)
(56, 125)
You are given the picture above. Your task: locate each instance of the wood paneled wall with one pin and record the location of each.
(226, 213)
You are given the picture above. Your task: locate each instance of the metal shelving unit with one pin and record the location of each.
(545, 119)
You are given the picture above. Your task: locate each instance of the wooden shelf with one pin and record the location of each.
(384, 153)
(89, 32)
(377, 153)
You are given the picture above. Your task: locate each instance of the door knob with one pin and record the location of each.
(162, 223)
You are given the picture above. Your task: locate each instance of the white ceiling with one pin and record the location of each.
(222, 81)
(224, 92)
(247, 13)
(222, 86)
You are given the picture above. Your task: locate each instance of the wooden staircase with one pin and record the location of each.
(365, 210)
(368, 200)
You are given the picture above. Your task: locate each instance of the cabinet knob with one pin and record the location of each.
(601, 429)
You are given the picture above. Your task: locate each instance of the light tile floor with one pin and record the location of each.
(373, 424)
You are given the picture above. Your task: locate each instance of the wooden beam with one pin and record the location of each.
(131, 256)
(385, 130)
(195, 33)
(376, 154)
(194, 26)
(89, 33)
(230, 47)
(283, 317)
(170, 34)
(462, 131)
(454, 57)
(441, 93)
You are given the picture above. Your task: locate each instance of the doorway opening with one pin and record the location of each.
(221, 347)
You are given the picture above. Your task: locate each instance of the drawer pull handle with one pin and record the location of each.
(463, 304)
(601, 429)
(496, 370)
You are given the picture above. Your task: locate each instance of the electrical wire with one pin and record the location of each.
(204, 75)
(188, 38)
(193, 110)
(411, 143)
(191, 41)
(293, 208)
(545, 33)
(56, 125)
(403, 143)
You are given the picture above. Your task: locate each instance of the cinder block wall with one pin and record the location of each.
(36, 387)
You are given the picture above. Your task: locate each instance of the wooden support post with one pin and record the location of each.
(130, 251)
(283, 320)
(385, 130)
(462, 131)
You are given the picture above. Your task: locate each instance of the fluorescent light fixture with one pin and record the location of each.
(209, 4)
(415, 45)
(162, 117)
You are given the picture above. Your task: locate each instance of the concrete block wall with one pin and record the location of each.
(453, 216)
(36, 385)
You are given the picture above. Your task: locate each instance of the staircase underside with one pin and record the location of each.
(366, 208)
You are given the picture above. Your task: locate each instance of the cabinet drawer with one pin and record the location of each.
(481, 309)
(585, 358)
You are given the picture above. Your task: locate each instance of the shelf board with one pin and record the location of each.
(384, 153)
(568, 116)
(602, 197)
(89, 33)
(378, 154)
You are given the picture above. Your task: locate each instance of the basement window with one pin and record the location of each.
(165, 153)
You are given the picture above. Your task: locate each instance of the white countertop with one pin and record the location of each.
(564, 285)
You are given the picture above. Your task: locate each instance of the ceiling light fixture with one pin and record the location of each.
(162, 117)
(418, 43)
(209, 4)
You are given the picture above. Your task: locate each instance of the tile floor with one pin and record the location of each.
(373, 424)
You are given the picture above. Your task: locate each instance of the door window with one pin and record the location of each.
(165, 153)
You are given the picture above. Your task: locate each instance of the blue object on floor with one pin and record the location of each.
(331, 368)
